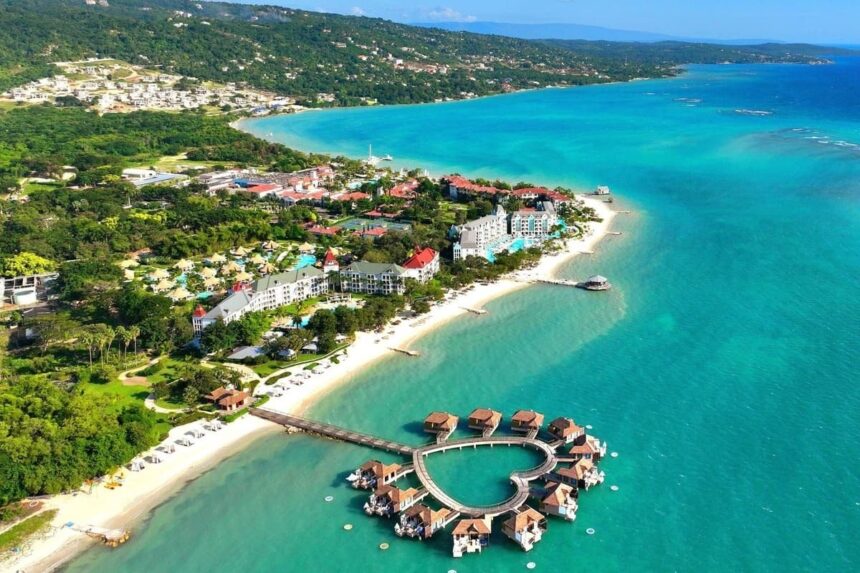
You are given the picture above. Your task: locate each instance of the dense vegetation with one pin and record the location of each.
(304, 54)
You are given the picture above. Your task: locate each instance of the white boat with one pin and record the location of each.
(387, 158)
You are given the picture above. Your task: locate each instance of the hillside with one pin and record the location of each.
(321, 59)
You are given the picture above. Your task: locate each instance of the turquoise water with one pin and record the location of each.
(722, 366)
(305, 261)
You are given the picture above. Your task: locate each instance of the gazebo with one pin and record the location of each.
(231, 268)
(159, 274)
(211, 283)
(270, 245)
(267, 268)
(239, 251)
(217, 259)
(306, 248)
(208, 273)
(244, 276)
(163, 285)
(257, 259)
(184, 265)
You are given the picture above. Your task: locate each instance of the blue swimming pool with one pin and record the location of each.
(305, 261)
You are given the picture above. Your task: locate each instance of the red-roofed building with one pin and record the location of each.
(293, 197)
(422, 265)
(350, 197)
(330, 264)
(529, 193)
(321, 231)
(374, 233)
(199, 312)
(264, 189)
(405, 190)
(462, 187)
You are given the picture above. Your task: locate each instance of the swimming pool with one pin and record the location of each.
(305, 261)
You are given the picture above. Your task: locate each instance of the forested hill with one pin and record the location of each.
(305, 54)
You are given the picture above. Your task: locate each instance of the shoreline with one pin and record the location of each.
(142, 492)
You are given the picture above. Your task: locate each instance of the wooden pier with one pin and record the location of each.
(558, 282)
(475, 310)
(519, 479)
(332, 431)
(406, 351)
(111, 537)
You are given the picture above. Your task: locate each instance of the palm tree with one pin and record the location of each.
(134, 333)
(125, 337)
(88, 338)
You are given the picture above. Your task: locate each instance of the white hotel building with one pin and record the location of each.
(481, 234)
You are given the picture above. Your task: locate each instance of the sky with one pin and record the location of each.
(832, 21)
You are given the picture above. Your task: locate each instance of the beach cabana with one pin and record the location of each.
(306, 248)
(179, 294)
(184, 265)
(159, 274)
(257, 259)
(217, 259)
(267, 268)
(163, 285)
(208, 273)
(270, 245)
(244, 276)
(240, 252)
(231, 268)
(211, 283)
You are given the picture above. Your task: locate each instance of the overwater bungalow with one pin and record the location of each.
(527, 421)
(470, 536)
(597, 282)
(565, 429)
(526, 527)
(388, 500)
(442, 424)
(485, 420)
(588, 448)
(421, 522)
(373, 474)
(559, 499)
(582, 474)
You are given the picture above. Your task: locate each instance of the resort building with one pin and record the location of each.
(485, 420)
(527, 421)
(526, 527)
(330, 264)
(462, 188)
(421, 522)
(470, 536)
(388, 500)
(373, 278)
(480, 238)
(565, 429)
(581, 475)
(442, 424)
(588, 448)
(374, 473)
(559, 499)
(268, 293)
(228, 400)
(422, 265)
(534, 224)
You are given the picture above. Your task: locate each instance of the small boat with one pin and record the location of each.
(387, 158)
(353, 477)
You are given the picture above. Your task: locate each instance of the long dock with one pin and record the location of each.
(332, 431)
(406, 351)
(475, 310)
(558, 282)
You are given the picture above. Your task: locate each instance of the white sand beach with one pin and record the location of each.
(143, 491)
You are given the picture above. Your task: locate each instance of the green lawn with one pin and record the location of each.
(17, 535)
(122, 396)
(170, 372)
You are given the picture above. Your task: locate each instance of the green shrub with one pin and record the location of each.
(102, 374)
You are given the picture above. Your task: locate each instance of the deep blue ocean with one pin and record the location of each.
(723, 366)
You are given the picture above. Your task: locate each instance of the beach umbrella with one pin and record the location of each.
(208, 273)
(217, 259)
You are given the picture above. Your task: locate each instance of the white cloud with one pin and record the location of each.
(442, 14)
(357, 11)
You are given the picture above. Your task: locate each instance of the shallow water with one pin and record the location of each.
(722, 367)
